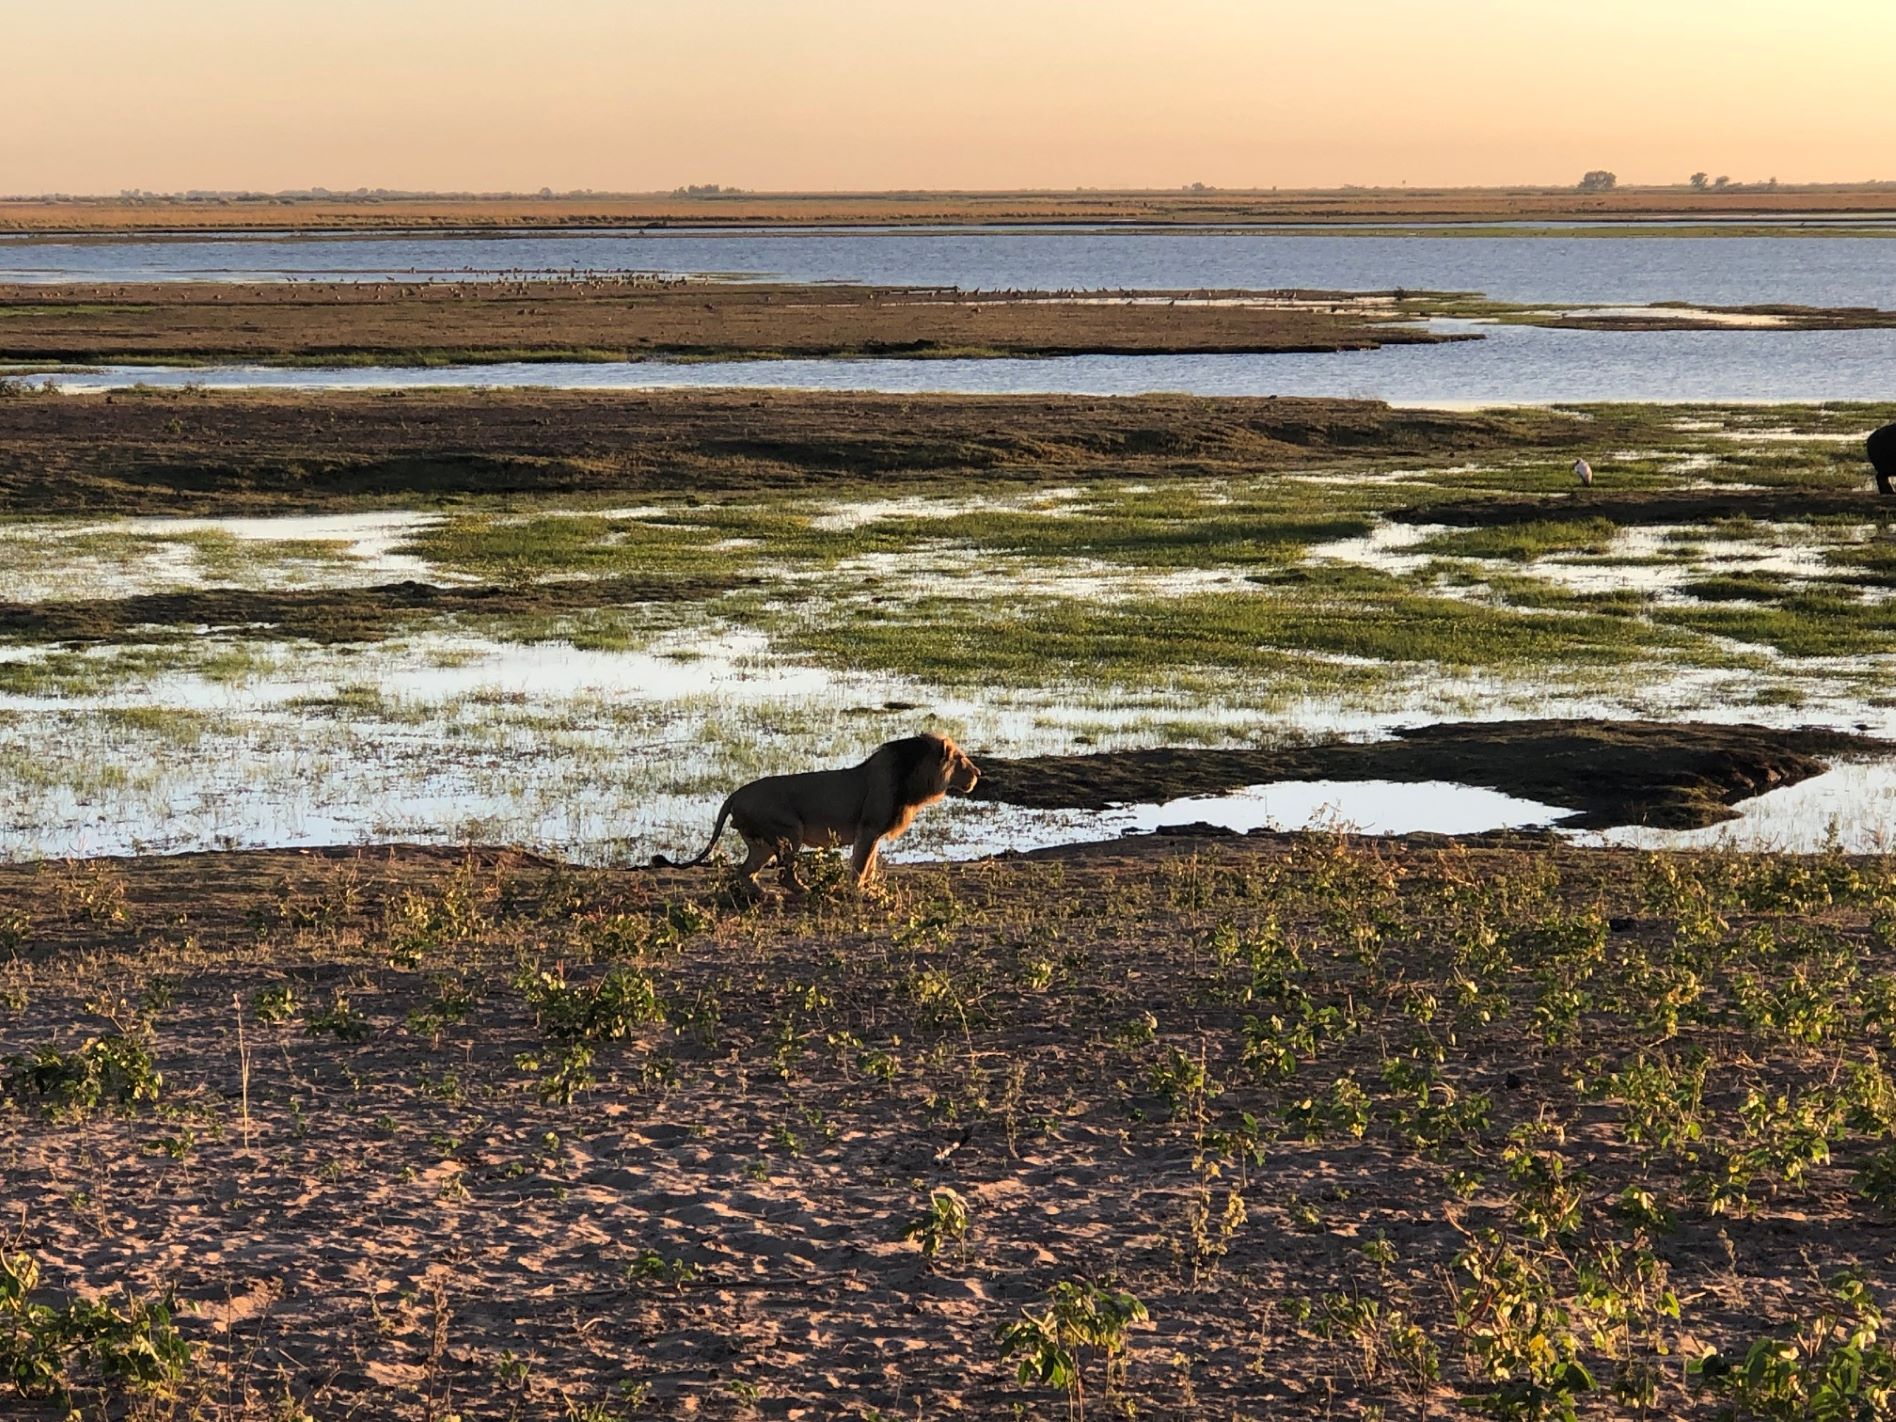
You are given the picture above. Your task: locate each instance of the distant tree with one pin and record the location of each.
(1699, 180)
(1721, 181)
(1770, 182)
(1599, 181)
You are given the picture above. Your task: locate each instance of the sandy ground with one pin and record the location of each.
(403, 1223)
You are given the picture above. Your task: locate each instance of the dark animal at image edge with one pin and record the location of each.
(1882, 450)
(861, 806)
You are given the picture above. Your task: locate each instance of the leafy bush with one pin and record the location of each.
(944, 1220)
(608, 1011)
(125, 1346)
(1832, 1365)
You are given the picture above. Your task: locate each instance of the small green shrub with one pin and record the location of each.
(103, 1072)
(944, 1220)
(274, 1004)
(608, 1011)
(340, 1021)
(1080, 1319)
(1831, 1365)
(15, 924)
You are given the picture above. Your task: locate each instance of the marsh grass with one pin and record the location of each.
(1526, 542)
(169, 725)
(1737, 587)
(1176, 529)
(1284, 627)
(1105, 610)
(1817, 622)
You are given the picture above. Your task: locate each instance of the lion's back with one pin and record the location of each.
(831, 799)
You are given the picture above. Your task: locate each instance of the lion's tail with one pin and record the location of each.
(659, 861)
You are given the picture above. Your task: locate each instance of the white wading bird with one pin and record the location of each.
(1584, 472)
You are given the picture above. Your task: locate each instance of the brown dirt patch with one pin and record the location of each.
(332, 614)
(1666, 775)
(1642, 508)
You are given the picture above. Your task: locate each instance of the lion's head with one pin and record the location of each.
(959, 774)
(930, 766)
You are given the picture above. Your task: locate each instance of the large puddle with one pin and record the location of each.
(1359, 806)
(1511, 365)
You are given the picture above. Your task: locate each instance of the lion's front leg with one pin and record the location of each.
(866, 861)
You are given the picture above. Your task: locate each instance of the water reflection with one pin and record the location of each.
(1512, 365)
(1734, 270)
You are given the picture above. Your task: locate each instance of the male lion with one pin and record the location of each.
(863, 806)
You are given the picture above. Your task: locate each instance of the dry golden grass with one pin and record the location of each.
(1344, 205)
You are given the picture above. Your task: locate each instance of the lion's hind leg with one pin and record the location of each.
(756, 860)
(788, 852)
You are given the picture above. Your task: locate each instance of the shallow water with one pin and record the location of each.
(1853, 806)
(615, 755)
(1511, 365)
(1811, 271)
(49, 559)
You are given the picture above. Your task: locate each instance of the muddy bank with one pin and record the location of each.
(240, 453)
(331, 614)
(421, 323)
(1645, 508)
(1658, 774)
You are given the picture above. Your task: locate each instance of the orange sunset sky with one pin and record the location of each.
(879, 94)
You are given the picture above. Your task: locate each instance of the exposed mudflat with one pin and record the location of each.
(1675, 317)
(1640, 507)
(1609, 774)
(641, 319)
(227, 453)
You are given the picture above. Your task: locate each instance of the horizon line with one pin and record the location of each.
(713, 192)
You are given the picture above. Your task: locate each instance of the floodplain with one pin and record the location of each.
(1419, 944)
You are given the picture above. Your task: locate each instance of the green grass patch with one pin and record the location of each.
(1737, 587)
(1524, 542)
(1814, 623)
(1291, 618)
